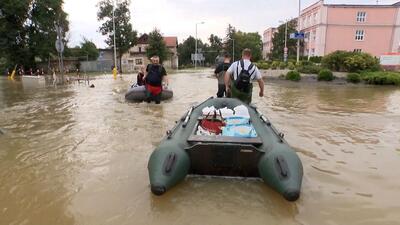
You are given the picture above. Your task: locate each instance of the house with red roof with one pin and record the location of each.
(136, 56)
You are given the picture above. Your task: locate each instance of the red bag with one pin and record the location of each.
(213, 124)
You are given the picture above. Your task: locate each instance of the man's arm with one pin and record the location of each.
(261, 85)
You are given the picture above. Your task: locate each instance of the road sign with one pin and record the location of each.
(59, 45)
(198, 57)
(297, 35)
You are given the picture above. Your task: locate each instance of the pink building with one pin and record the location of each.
(267, 41)
(374, 29)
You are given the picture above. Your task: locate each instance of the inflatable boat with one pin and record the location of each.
(138, 94)
(255, 149)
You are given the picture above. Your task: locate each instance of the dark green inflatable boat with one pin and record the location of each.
(184, 152)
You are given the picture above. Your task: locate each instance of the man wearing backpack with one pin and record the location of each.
(154, 77)
(239, 77)
(220, 74)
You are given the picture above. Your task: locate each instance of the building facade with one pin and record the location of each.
(136, 56)
(267, 41)
(374, 29)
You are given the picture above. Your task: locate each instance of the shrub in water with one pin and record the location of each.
(293, 76)
(291, 66)
(274, 65)
(309, 69)
(325, 75)
(262, 65)
(353, 78)
(282, 65)
(381, 78)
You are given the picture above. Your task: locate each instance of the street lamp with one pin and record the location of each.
(298, 30)
(115, 47)
(195, 52)
(285, 50)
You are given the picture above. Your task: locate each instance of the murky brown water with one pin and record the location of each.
(76, 155)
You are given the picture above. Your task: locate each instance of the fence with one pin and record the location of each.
(97, 66)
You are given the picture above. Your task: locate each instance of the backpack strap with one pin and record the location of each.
(242, 64)
(251, 67)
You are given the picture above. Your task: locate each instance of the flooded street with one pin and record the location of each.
(76, 155)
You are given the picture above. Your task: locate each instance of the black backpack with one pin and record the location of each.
(154, 75)
(243, 80)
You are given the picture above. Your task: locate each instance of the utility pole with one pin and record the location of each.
(115, 47)
(298, 30)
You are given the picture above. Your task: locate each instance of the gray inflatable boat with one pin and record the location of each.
(138, 94)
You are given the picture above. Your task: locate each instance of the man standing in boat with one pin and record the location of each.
(154, 77)
(239, 77)
(220, 74)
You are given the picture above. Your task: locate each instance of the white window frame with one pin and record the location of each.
(358, 50)
(360, 35)
(361, 17)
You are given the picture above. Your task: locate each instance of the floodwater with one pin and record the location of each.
(76, 155)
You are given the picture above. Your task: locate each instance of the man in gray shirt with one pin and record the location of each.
(239, 77)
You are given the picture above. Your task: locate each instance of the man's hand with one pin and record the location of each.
(261, 94)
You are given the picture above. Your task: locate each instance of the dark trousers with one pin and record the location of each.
(221, 91)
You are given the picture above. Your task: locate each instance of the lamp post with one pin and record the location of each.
(115, 47)
(298, 30)
(285, 50)
(195, 51)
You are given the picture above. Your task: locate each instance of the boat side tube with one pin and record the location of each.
(282, 170)
(168, 165)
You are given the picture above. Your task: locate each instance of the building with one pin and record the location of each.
(374, 29)
(267, 41)
(136, 56)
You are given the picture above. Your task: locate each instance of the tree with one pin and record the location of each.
(13, 15)
(278, 41)
(187, 48)
(125, 36)
(242, 40)
(157, 46)
(214, 49)
(89, 48)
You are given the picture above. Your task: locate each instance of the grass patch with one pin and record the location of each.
(353, 78)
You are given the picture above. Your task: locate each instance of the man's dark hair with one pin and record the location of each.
(227, 56)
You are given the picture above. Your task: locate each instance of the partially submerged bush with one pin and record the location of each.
(282, 65)
(263, 65)
(291, 66)
(353, 78)
(381, 78)
(293, 75)
(350, 61)
(274, 65)
(325, 75)
(309, 69)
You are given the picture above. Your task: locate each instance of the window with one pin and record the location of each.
(138, 61)
(357, 50)
(314, 35)
(361, 16)
(359, 35)
(313, 52)
(304, 22)
(140, 49)
(131, 54)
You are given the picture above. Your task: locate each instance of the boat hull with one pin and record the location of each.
(267, 156)
(138, 94)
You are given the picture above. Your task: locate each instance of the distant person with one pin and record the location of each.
(30, 72)
(7, 72)
(140, 77)
(239, 77)
(220, 74)
(42, 71)
(154, 77)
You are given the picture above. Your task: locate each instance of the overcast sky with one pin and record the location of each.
(178, 17)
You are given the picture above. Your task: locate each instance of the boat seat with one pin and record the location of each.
(224, 139)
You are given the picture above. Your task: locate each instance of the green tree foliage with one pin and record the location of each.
(13, 15)
(213, 50)
(242, 40)
(44, 16)
(293, 75)
(27, 29)
(88, 48)
(157, 46)
(125, 36)
(187, 48)
(278, 41)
